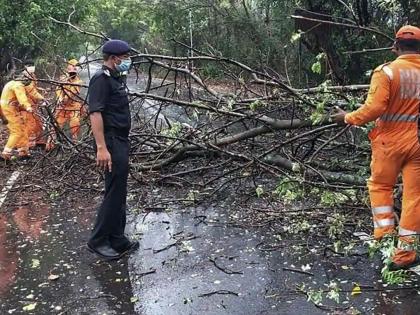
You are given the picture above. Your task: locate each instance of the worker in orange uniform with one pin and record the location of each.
(14, 106)
(393, 101)
(69, 106)
(33, 120)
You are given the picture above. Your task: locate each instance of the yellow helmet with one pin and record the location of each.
(73, 62)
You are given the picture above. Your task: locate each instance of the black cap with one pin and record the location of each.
(116, 47)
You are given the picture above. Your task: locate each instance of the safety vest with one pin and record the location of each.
(68, 95)
(404, 93)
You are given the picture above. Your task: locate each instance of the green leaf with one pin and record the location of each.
(35, 263)
(316, 67)
(259, 191)
(255, 105)
(315, 296)
(30, 307)
(356, 290)
(295, 37)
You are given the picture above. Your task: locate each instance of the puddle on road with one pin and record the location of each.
(44, 265)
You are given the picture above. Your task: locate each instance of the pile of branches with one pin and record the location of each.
(250, 124)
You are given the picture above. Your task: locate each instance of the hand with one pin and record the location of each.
(29, 110)
(338, 115)
(103, 160)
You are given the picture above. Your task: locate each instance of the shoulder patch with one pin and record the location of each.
(379, 68)
(386, 69)
(101, 72)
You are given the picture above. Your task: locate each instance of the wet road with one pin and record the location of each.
(206, 266)
(206, 269)
(191, 261)
(44, 267)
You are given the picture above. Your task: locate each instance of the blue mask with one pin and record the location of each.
(124, 65)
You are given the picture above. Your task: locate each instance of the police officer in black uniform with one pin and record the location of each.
(111, 121)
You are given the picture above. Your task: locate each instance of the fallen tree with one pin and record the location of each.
(252, 118)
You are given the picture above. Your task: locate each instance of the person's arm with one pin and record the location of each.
(22, 98)
(34, 93)
(376, 102)
(103, 157)
(98, 93)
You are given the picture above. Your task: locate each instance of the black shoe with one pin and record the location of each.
(105, 252)
(395, 267)
(131, 247)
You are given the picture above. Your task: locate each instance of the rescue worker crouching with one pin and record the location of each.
(69, 108)
(15, 104)
(393, 101)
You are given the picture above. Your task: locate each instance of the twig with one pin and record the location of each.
(145, 273)
(298, 271)
(225, 270)
(222, 292)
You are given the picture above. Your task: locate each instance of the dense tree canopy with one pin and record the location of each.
(28, 33)
(317, 37)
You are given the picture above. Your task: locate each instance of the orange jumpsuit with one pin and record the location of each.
(393, 101)
(70, 107)
(34, 122)
(14, 102)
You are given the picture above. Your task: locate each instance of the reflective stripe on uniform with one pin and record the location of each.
(405, 232)
(382, 209)
(388, 72)
(399, 117)
(383, 223)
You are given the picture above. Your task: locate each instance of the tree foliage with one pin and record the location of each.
(27, 32)
(261, 33)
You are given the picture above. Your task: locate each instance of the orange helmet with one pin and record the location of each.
(408, 32)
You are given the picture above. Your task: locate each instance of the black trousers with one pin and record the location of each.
(111, 218)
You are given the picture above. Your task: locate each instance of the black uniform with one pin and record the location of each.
(108, 94)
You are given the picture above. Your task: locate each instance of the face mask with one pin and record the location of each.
(124, 65)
